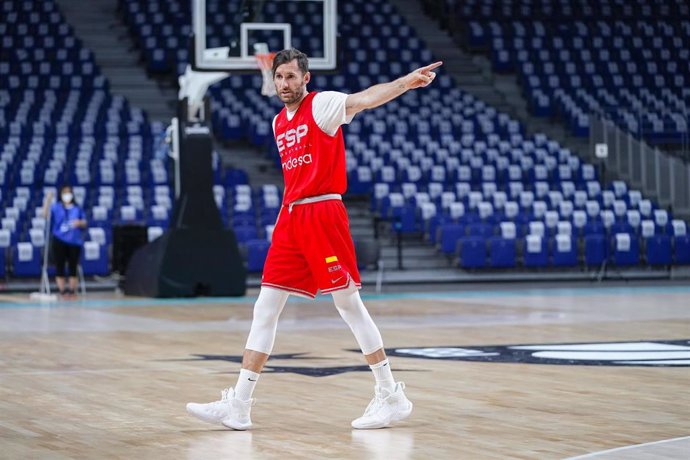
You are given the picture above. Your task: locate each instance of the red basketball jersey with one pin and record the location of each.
(313, 162)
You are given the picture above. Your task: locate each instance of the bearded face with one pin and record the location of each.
(291, 83)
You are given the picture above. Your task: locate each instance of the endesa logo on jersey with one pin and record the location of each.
(291, 137)
(292, 163)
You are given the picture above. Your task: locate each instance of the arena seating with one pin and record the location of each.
(627, 60)
(60, 123)
(438, 163)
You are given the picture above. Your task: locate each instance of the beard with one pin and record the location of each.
(290, 97)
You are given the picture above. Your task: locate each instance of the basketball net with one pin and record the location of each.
(264, 59)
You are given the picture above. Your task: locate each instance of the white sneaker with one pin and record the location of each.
(229, 411)
(385, 409)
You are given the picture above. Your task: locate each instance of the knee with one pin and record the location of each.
(265, 316)
(268, 307)
(350, 305)
(347, 310)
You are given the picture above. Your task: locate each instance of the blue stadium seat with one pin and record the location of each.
(448, 236)
(681, 249)
(243, 219)
(26, 260)
(564, 251)
(245, 233)
(502, 252)
(361, 181)
(159, 216)
(626, 250)
(433, 224)
(658, 250)
(405, 219)
(94, 259)
(483, 230)
(594, 227)
(663, 222)
(595, 249)
(622, 227)
(268, 217)
(235, 177)
(7, 239)
(257, 250)
(387, 203)
(535, 253)
(472, 252)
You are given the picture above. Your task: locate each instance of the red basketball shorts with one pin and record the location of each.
(311, 250)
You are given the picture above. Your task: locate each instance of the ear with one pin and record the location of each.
(307, 77)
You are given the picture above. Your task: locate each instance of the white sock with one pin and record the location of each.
(245, 384)
(383, 375)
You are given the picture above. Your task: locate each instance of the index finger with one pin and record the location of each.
(432, 66)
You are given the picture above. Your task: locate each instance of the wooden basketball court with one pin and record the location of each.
(109, 377)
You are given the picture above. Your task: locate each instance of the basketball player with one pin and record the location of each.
(312, 249)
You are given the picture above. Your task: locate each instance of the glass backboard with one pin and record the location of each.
(225, 32)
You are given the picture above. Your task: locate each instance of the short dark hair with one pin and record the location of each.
(288, 55)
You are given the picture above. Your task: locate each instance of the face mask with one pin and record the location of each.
(67, 197)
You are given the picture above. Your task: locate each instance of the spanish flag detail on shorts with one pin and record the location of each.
(331, 259)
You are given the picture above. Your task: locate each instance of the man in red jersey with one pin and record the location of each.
(311, 248)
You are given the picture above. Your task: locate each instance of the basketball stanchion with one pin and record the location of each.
(264, 59)
(44, 294)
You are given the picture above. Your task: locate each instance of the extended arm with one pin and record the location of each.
(377, 95)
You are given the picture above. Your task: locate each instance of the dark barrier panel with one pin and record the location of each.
(126, 240)
(186, 263)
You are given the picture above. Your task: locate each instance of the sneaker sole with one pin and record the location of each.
(396, 418)
(203, 417)
(236, 426)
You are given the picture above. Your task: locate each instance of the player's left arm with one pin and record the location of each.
(377, 95)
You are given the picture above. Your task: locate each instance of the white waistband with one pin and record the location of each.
(315, 199)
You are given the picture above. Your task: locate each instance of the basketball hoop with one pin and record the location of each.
(265, 62)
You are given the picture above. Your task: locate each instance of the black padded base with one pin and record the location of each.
(187, 263)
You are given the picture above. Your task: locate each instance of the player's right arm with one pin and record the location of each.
(377, 95)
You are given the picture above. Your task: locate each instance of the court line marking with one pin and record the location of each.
(633, 446)
(475, 294)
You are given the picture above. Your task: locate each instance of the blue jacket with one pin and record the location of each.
(62, 218)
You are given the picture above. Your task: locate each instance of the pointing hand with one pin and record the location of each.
(423, 76)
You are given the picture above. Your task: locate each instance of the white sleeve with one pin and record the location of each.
(328, 109)
(274, 125)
